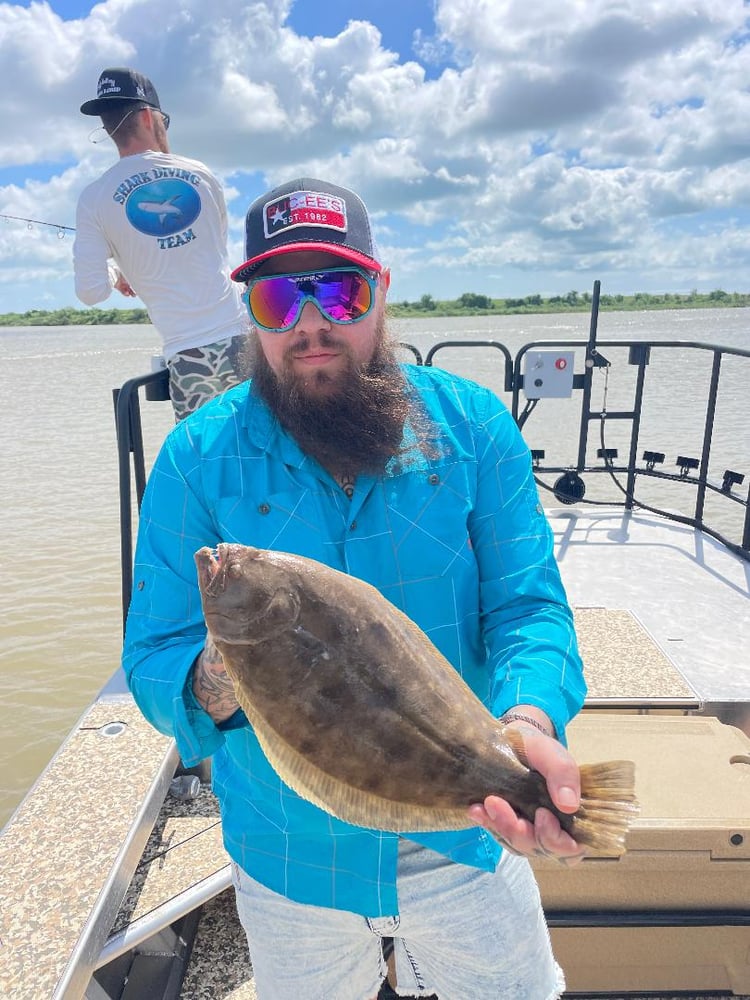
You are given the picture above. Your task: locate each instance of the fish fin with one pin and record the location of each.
(608, 802)
(608, 807)
(352, 805)
(515, 741)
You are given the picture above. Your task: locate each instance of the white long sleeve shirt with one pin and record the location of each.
(162, 218)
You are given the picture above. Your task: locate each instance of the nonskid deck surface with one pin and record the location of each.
(689, 593)
(65, 852)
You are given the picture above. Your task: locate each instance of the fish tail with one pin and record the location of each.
(608, 807)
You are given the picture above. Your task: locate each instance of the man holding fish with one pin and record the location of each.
(417, 482)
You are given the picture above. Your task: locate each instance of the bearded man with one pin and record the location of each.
(418, 482)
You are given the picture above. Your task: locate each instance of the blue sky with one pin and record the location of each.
(503, 147)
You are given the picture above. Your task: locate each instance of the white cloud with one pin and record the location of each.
(563, 137)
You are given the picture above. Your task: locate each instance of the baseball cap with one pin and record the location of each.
(308, 214)
(121, 84)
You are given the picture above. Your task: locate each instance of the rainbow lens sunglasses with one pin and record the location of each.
(343, 295)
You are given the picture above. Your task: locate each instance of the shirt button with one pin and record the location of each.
(353, 526)
(434, 479)
(264, 508)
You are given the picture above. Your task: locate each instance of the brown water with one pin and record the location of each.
(60, 619)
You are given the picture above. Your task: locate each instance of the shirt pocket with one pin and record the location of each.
(432, 512)
(287, 521)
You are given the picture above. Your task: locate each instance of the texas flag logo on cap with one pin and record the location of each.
(304, 208)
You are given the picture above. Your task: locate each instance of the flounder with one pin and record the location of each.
(359, 712)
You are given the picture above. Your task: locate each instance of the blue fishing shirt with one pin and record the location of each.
(459, 543)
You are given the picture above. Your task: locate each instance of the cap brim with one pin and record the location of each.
(100, 104)
(246, 270)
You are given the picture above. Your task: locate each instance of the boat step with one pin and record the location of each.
(184, 865)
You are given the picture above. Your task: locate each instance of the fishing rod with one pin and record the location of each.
(37, 222)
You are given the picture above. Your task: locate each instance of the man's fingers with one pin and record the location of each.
(544, 837)
(559, 769)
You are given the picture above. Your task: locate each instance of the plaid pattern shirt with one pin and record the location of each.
(459, 543)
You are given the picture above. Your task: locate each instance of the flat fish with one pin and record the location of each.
(360, 713)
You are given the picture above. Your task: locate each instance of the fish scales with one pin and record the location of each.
(358, 711)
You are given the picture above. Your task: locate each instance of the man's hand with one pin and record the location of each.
(544, 837)
(212, 686)
(122, 285)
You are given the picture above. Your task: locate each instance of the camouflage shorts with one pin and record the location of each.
(199, 374)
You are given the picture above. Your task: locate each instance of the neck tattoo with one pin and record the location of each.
(346, 482)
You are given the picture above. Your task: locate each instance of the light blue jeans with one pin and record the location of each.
(461, 933)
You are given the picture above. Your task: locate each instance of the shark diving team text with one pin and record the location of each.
(146, 176)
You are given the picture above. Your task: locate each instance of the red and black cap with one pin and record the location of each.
(308, 214)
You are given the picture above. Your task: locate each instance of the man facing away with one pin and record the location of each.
(155, 225)
(417, 481)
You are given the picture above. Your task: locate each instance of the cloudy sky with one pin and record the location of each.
(507, 147)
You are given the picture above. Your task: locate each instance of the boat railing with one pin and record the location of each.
(131, 461)
(694, 471)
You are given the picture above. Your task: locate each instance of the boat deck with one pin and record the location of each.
(675, 642)
(686, 591)
(66, 862)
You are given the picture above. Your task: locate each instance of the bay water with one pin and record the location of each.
(60, 602)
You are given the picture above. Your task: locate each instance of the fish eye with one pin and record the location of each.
(235, 570)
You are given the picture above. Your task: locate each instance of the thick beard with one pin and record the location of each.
(351, 423)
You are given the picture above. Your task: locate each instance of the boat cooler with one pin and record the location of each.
(673, 913)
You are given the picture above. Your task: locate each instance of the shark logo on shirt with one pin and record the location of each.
(163, 207)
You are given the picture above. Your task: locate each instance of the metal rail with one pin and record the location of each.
(167, 913)
(83, 959)
(156, 385)
(640, 355)
(130, 449)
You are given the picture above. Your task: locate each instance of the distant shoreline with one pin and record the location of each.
(468, 304)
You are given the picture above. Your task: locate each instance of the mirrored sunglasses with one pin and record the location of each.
(342, 294)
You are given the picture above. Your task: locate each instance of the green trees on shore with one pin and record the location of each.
(74, 317)
(467, 304)
(471, 304)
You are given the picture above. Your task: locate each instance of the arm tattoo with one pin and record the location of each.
(212, 686)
